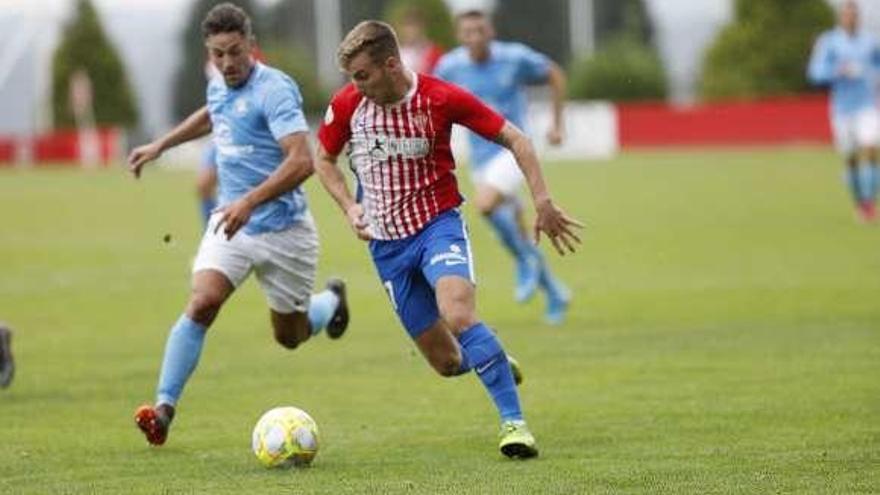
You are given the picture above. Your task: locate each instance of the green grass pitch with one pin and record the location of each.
(724, 338)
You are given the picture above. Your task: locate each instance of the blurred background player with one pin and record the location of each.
(417, 50)
(847, 59)
(397, 126)
(7, 364)
(263, 224)
(498, 72)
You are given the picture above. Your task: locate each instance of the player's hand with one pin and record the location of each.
(557, 225)
(358, 221)
(555, 136)
(141, 155)
(235, 216)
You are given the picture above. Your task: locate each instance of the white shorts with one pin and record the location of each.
(285, 262)
(856, 131)
(501, 173)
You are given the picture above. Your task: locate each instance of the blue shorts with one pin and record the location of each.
(410, 267)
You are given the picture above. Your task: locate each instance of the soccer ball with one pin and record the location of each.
(285, 436)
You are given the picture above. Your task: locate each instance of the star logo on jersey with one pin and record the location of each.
(240, 107)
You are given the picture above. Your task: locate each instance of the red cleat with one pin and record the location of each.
(867, 211)
(154, 422)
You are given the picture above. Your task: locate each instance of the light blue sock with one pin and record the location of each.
(182, 351)
(503, 220)
(874, 182)
(207, 206)
(866, 182)
(854, 184)
(482, 352)
(321, 309)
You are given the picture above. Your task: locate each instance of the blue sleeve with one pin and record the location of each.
(282, 107)
(443, 69)
(875, 54)
(821, 66)
(532, 67)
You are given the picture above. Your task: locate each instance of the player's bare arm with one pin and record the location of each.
(334, 182)
(198, 124)
(550, 219)
(557, 82)
(293, 171)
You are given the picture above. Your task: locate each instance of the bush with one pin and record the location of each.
(298, 65)
(765, 50)
(84, 46)
(624, 70)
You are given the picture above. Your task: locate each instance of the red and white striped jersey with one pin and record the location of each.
(401, 153)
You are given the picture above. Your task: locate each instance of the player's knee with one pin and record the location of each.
(459, 317)
(204, 306)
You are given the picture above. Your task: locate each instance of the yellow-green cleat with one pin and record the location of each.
(515, 369)
(517, 442)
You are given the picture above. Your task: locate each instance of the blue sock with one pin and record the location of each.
(321, 309)
(866, 182)
(503, 220)
(207, 206)
(182, 351)
(482, 352)
(852, 180)
(874, 182)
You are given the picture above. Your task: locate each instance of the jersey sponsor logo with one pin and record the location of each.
(381, 147)
(226, 143)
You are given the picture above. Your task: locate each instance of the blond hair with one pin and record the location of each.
(376, 38)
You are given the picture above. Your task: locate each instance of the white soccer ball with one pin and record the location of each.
(285, 436)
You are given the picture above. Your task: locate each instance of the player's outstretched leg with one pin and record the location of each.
(503, 219)
(7, 363)
(482, 352)
(182, 351)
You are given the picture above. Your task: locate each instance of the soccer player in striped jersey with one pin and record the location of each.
(848, 60)
(397, 126)
(263, 224)
(497, 72)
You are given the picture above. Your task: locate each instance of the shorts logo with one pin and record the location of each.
(453, 257)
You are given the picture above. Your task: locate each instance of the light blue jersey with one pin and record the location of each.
(499, 81)
(247, 123)
(835, 53)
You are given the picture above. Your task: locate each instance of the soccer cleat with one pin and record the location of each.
(515, 369)
(339, 321)
(528, 272)
(517, 441)
(867, 211)
(557, 307)
(154, 422)
(7, 364)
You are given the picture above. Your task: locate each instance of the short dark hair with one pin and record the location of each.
(376, 38)
(227, 18)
